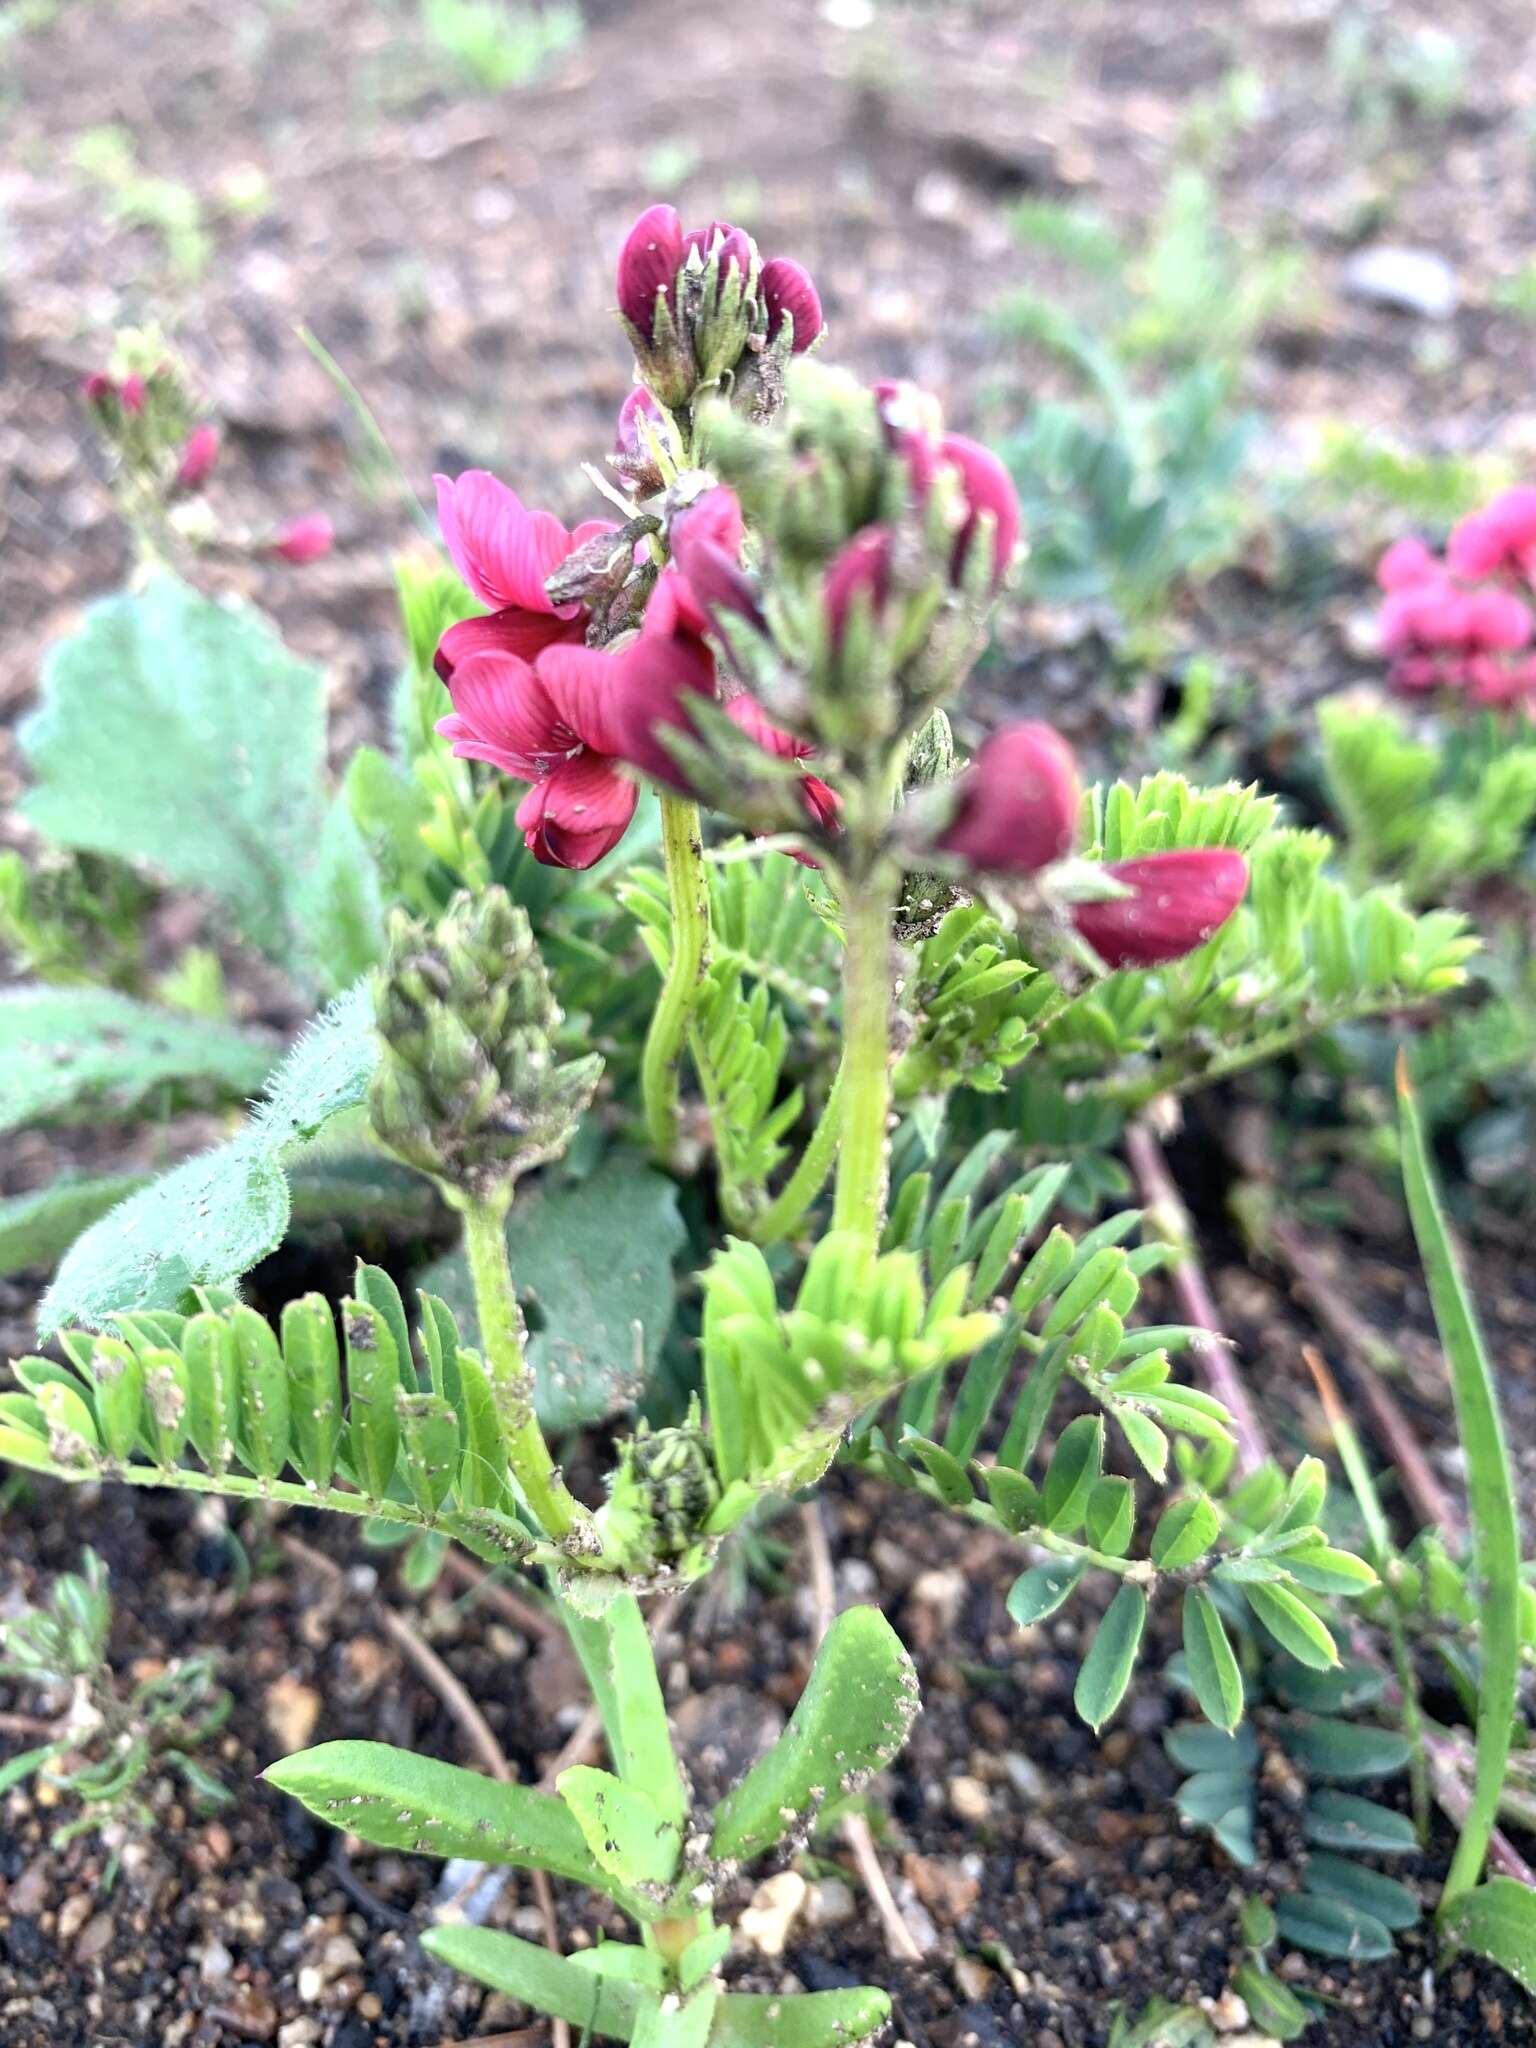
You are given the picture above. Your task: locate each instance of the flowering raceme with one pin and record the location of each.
(1462, 623)
(1015, 812)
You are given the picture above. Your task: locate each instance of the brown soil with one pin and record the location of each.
(454, 250)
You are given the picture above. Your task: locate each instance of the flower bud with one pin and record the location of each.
(131, 393)
(199, 454)
(469, 1088)
(663, 1491)
(633, 456)
(1176, 902)
(706, 546)
(1016, 805)
(1406, 562)
(989, 496)
(649, 263)
(788, 294)
(305, 539)
(860, 573)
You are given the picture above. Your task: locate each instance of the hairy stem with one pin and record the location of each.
(688, 886)
(863, 1161)
(503, 1336)
(786, 1211)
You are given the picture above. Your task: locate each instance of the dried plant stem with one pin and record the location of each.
(1168, 1216)
(899, 1939)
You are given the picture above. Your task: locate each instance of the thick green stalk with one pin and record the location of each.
(503, 1336)
(863, 1161)
(682, 848)
(1490, 1496)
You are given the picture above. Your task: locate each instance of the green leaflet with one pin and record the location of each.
(623, 1828)
(180, 732)
(398, 1800)
(1498, 1920)
(1213, 1667)
(818, 2019)
(589, 1261)
(853, 1717)
(552, 1984)
(1111, 1658)
(68, 1054)
(211, 1219)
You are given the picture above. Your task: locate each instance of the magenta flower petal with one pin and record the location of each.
(649, 261)
(988, 488)
(305, 539)
(503, 714)
(1406, 563)
(706, 546)
(1017, 803)
(510, 631)
(662, 671)
(1496, 619)
(578, 813)
(503, 550)
(746, 712)
(863, 565)
(586, 686)
(198, 456)
(788, 291)
(1178, 901)
(638, 406)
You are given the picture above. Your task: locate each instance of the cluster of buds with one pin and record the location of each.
(164, 454)
(469, 1087)
(704, 312)
(661, 1495)
(1466, 622)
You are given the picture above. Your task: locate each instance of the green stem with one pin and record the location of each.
(863, 1161)
(784, 1214)
(503, 1337)
(688, 886)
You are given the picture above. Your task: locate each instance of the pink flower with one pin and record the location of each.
(1016, 804)
(621, 700)
(653, 253)
(988, 490)
(1178, 901)
(506, 711)
(638, 406)
(97, 387)
(706, 546)
(860, 570)
(1501, 539)
(131, 392)
(306, 539)
(788, 293)
(1407, 562)
(509, 631)
(822, 803)
(1496, 620)
(198, 456)
(503, 551)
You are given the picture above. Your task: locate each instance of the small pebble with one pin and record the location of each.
(970, 1800)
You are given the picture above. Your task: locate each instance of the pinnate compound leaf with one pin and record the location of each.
(591, 1262)
(212, 1218)
(398, 1800)
(182, 732)
(1111, 1658)
(854, 1715)
(1498, 1920)
(73, 1053)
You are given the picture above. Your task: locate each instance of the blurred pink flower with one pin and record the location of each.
(1016, 805)
(198, 456)
(1499, 540)
(1179, 900)
(305, 539)
(503, 550)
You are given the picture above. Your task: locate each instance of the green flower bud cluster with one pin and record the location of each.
(663, 1492)
(469, 1088)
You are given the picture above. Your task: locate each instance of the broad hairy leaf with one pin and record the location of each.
(73, 1053)
(398, 1800)
(181, 732)
(36, 1228)
(854, 1715)
(212, 1218)
(592, 1264)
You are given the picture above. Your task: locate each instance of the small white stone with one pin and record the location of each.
(776, 1905)
(970, 1799)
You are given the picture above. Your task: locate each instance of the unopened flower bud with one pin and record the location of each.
(633, 456)
(131, 393)
(1016, 805)
(469, 1088)
(198, 456)
(1176, 902)
(305, 539)
(789, 294)
(662, 1493)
